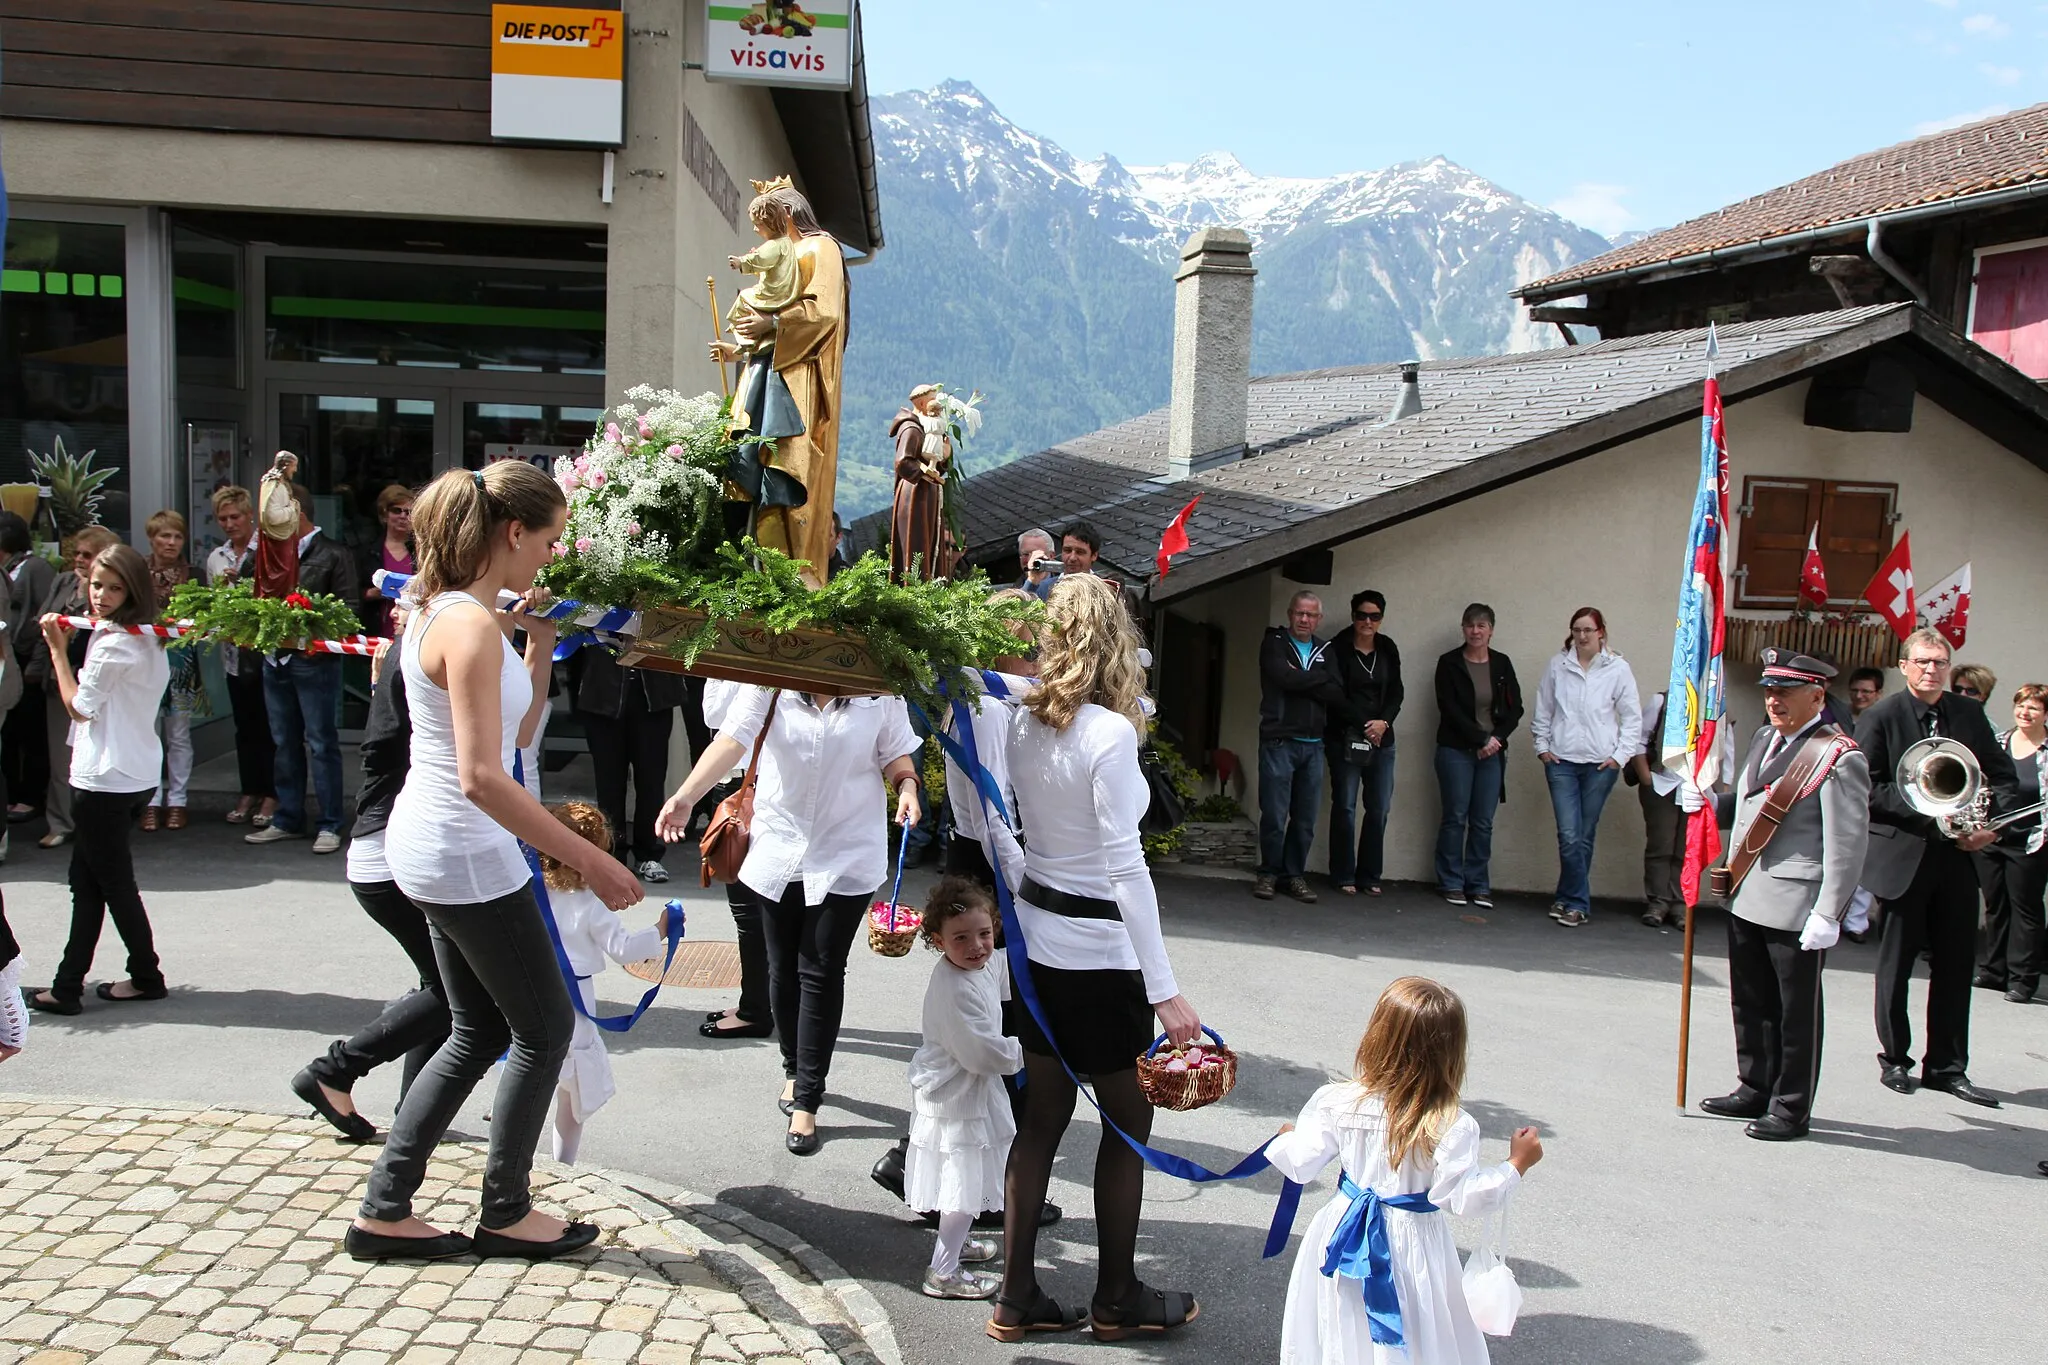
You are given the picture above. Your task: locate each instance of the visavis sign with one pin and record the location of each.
(776, 43)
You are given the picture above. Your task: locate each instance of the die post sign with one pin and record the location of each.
(558, 75)
(774, 43)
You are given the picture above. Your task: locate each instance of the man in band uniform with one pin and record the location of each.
(1923, 875)
(1788, 906)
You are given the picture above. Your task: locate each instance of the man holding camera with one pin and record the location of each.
(1040, 561)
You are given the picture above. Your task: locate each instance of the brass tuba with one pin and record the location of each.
(1943, 781)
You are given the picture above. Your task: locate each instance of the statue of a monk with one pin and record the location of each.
(923, 452)
(788, 457)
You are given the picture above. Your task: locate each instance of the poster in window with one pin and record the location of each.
(210, 451)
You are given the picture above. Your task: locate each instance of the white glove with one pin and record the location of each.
(1691, 798)
(1857, 920)
(1819, 934)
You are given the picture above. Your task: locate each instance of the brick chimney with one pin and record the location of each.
(1212, 351)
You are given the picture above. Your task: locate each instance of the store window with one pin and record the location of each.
(1854, 524)
(539, 433)
(206, 302)
(439, 315)
(64, 373)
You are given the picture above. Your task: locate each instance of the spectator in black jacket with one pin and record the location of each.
(24, 737)
(302, 693)
(1367, 665)
(1296, 691)
(628, 715)
(1479, 704)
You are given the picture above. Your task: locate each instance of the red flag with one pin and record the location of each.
(1890, 590)
(1947, 606)
(1813, 576)
(1175, 538)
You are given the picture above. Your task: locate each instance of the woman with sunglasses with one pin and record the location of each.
(2014, 870)
(1974, 681)
(1361, 745)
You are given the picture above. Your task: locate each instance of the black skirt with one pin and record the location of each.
(1100, 1019)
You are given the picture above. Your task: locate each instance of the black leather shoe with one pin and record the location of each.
(1985, 981)
(50, 1006)
(354, 1127)
(787, 1107)
(2020, 995)
(1897, 1078)
(105, 991)
(888, 1172)
(375, 1246)
(1771, 1128)
(1741, 1105)
(2042, 1167)
(1960, 1087)
(801, 1144)
(710, 1029)
(574, 1237)
(992, 1219)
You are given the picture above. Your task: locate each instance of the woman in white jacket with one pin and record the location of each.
(1587, 723)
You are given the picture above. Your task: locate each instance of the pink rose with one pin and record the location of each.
(632, 528)
(645, 430)
(583, 544)
(561, 550)
(597, 478)
(674, 452)
(570, 483)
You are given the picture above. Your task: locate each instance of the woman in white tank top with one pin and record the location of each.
(453, 848)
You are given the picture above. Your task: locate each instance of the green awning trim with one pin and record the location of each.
(459, 314)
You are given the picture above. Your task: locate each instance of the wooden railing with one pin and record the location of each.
(1845, 644)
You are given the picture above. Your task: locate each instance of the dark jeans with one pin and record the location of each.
(302, 695)
(2014, 941)
(754, 1007)
(504, 992)
(807, 948)
(1470, 787)
(1663, 853)
(413, 1026)
(1290, 787)
(1365, 860)
(103, 885)
(1774, 988)
(636, 743)
(1578, 793)
(255, 750)
(1938, 913)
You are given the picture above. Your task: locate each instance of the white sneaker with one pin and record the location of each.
(652, 871)
(979, 1249)
(965, 1284)
(327, 841)
(271, 834)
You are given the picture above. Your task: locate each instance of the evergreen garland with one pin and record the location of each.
(233, 612)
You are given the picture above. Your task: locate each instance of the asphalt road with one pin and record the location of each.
(1905, 1229)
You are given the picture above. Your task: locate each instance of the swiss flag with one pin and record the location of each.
(1175, 538)
(1813, 576)
(1947, 606)
(1890, 590)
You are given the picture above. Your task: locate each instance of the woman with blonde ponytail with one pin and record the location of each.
(452, 847)
(1097, 959)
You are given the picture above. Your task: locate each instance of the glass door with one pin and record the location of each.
(351, 445)
(539, 433)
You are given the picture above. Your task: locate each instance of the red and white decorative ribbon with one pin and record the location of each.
(364, 645)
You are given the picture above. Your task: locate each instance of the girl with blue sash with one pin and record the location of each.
(1377, 1277)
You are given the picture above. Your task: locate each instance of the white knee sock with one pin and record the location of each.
(568, 1132)
(953, 1230)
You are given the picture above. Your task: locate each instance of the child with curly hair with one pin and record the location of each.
(590, 932)
(960, 1121)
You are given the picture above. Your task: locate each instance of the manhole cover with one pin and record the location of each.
(708, 966)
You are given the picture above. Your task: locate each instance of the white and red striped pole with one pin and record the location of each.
(363, 645)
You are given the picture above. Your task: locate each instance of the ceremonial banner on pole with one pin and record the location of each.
(1813, 575)
(1946, 607)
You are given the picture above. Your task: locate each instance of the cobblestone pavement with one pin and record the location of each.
(130, 1235)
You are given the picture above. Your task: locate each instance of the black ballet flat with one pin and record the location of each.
(574, 1238)
(802, 1144)
(50, 1006)
(787, 1107)
(362, 1245)
(710, 1029)
(105, 991)
(353, 1127)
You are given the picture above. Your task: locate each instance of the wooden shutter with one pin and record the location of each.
(2009, 308)
(1855, 536)
(1855, 524)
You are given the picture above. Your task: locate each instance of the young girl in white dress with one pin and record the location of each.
(960, 1122)
(590, 932)
(1408, 1155)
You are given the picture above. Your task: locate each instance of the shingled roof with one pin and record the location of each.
(1322, 468)
(1984, 157)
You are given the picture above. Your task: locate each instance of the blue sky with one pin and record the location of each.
(1620, 115)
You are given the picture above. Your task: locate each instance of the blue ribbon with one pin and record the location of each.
(1359, 1250)
(965, 757)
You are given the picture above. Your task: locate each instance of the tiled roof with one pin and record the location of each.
(1317, 446)
(1991, 154)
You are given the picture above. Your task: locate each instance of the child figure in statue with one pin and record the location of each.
(774, 261)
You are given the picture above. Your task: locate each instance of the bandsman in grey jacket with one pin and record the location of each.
(1793, 882)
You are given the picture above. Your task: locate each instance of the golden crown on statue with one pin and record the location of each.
(780, 182)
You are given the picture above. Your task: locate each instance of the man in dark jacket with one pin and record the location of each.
(1296, 690)
(1367, 664)
(628, 715)
(302, 693)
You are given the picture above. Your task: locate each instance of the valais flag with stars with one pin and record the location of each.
(1696, 705)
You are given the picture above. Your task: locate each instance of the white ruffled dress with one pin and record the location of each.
(960, 1122)
(591, 933)
(1326, 1322)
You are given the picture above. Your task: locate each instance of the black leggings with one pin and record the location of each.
(807, 949)
(1119, 1179)
(415, 1025)
(103, 885)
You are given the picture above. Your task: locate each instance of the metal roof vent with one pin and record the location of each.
(1409, 401)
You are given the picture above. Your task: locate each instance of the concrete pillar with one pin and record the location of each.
(1212, 350)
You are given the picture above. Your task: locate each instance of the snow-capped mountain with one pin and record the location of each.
(1046, 281)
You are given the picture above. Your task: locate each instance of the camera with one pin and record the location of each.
(1045, 564)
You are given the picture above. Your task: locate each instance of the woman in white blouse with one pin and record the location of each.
(1096, 957)
(818, 848)
(115, 755)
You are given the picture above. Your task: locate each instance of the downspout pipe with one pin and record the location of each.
(1873, 243)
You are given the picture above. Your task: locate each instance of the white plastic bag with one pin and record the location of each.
(1490, 1289)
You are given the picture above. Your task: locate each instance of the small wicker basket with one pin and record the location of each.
(1192, 1087)
(892, 929)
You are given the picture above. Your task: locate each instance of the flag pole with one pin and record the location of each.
(1685, 1001)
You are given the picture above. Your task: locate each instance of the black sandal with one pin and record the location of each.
(1044, 1315)
(1145, 1309)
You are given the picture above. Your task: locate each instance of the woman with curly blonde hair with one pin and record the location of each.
(1097, 959)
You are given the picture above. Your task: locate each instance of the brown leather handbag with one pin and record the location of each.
(723, 846)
